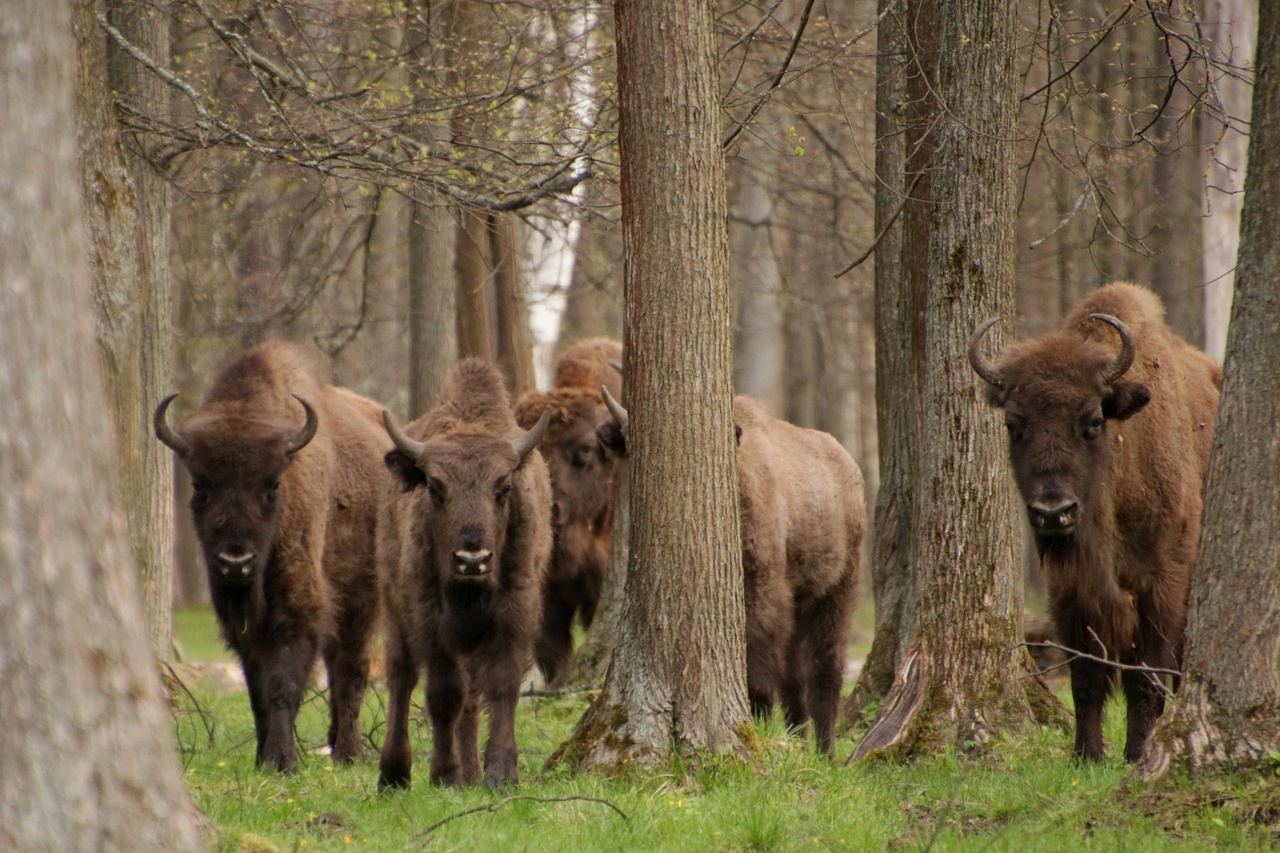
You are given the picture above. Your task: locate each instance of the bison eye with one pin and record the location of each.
(199, 497)
(502, 492)
(582, 456)
(1094, 429)
(1015, 430)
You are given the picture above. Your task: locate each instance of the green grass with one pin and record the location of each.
(1025, 793)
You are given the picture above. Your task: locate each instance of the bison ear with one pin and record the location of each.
(994, 396)
(409, 475)
(1125, 399)
(611, 438)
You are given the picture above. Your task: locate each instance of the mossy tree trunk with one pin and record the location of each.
(87, 760)
(961, 678)
(1227, 713)
(126, 205)
(678, 676)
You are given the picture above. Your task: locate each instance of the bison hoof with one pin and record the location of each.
(392, 780)
(501, 775)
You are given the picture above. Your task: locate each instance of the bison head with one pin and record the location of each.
(236, 463)
(1057, 393)
(461, 485)
(582, 468)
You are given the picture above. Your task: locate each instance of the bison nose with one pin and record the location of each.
(472, 563)
(235, 563)
(1052, 518)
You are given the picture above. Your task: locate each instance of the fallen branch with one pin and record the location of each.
(420, 837)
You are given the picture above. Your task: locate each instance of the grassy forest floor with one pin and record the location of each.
(1025, 794)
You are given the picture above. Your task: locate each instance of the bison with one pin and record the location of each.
(285, 471)
(582, 475)
(1109, 450)
(463, 543)
(803, 516)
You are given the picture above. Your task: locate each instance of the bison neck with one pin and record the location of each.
(239, 610)
(469, 612)
(1093, 614)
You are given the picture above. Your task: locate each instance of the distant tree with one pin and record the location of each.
(126, 205)
(956, 683)
(678, 675)
(1227, 712)
(87, 760)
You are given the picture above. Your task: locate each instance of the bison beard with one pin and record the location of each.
(285, 516)
(802, 519)
(1110, 452)
(582, 474)
(464, 539)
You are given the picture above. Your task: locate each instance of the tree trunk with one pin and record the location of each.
(1227, 713)
(591, 661)
(897, 404)
(512, 336)
(126, 206)
(759, 345)
(475, 287)
(86, 754)
(433, 333)
(960, 677)
(678, 675)
(1230, 26)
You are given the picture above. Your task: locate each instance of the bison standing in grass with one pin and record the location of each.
(582, 476)
(1109, 449)
(803, 515)
(464, 539)
(285, 471)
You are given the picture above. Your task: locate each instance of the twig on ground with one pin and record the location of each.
(420, 837)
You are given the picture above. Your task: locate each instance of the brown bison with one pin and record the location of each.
(464, 539)
(582, 475)
(803, 516)
(285, 472)
(1109, 449)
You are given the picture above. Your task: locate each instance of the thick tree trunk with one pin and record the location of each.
(433, 333)
(475, 317)
(86, 755)
(1227, 713)
(678, 676)
(897, 400)
(126, 207)
(1230, 26)
(960, 677)
(512, 336)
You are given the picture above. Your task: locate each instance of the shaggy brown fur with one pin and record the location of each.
(803, 515)
(1112, 474)
(582, 474)
(464, 539)
(288, 537)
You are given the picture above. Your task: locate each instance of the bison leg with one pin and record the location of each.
(1090, 683)
(502, 690)
(446, 692)
(769, 621)
(1144, 692)
(817, 654)
(469, 739)
(555, 642)
(257, 703)
(347, 661)
(402, 676)
(286, 672)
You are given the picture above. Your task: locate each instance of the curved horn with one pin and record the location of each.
(408, 446)
(977, 361)
(523, 444)
(299, 439)
(616, 365)
(167, 434)
(615, 408)
(1124, 360)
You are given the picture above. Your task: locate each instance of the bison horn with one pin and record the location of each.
(167, 434)
(980, 365)
(615, 408)
(415, 450)
(524, 443)
(1124, 360)
(616, 365)
(299, 439)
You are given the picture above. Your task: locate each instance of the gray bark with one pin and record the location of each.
(678, 676)
(433, 335)
(126, 208)
(1227, 713)
(759, 339)
(86, 755)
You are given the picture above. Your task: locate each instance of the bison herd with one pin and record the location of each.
(478, 532)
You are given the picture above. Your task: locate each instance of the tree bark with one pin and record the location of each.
(1230, 26)
(759, 345)
(512, 336)
(86, 755)
(957, 683)
(897, 403)
(126, 207)
(678, 675)
(1227, 713)
(433, 333)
